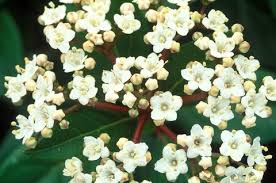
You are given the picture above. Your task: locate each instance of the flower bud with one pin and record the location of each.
(129, 100)
(151, 16)
(201, 107)
(197, 35)
(175, 48)
(58, 115)
(41, 59)
(235, 99)
(196, 17)
(220, 170)
(31, 143)
(249, 122)
(148, 156)
(239, 108)
(109, 36)
(222, 125)
(136, 79)
(127, 8)
(237, 28)
(90, 63)
(50, 75)
(88, 46)
(162, 74)
(30, 85)
(205, 162)
(261, 168)
(133, 113)
(143, 104)
(47, 133)
(244, 47)
(159, 122)
(105, 138)
(121, 142)
(72, 17)
(228, 62)
(194, 179)
(151, 84)
(58, 99)
(64, 124)
(187, 90)
(223, 160)
(248, 85)
(214, 91)
(143, 4)
(238, 38)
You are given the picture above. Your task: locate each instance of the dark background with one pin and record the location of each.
(258, 17)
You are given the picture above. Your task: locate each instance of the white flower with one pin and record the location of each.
(43, 115)
(44, 90)
(127, 23)
(108, 173)
(179, 2)
(247, 67)
(123, 63)
(252, 175)
(234, 175)
(255, 103)
(98, 6)
(72, 167)
(230, 83)
(129, 99)
(222, 47)
(26, 128)
(53, 15)
(30, 69)
(172, 163)
(94, 149)
(164, 106)
(74, 60)
(161, 38)
(216, 21)
(234, 144)
(133, 155)
(150, 66)
(199, 143)
(269, 88)
(180, 21)
(218, 110)
(81, 178)
(67, 1)
(94, 23)
(15, 89)
(255, 153)
(198, 76)
(83, 89)
(59, 37)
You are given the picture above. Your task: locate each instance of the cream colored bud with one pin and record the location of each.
(223, 125)
(182, 140)
(58, 115)
(249, 122)
(201, 107)
(235, 99)
(88, 46)
(261, 168)
(214, 91)
(121, 142)
(72, 17)
(90, 63)
(109, 36)
(13, 123)
(97, 39)
(128, 87)
(159, 122)
(248, 85)
(228, 62)
(64, 124)
(148, 156)
(136, 79)
(162, 74)
(209, 130)
(175, 48)
(47, 133)
(30, 85)
(41, 59)
(78, 28)
(49, 66)
(223, 160)
(143, 103)
(50, 75)
(58, 99)
(40, 20)
(127, 8)
(237, 28)
(187, 90)
(151, 84)
(133, 113)
(105, 138)
(125, 177)
(151, 16)
(194, 179)
(31, 143)
(238, 38)
(244, 47)
(220, 170)
(197, 35)
(239, 108)
(144, 4)
(70, 85)
(205, 162)
(146, 40)
(196, 17)
(30, 108)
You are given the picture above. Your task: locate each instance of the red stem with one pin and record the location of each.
(187, 99)
(142, 118)
(165, 130)
(165, 55)
(109, 106)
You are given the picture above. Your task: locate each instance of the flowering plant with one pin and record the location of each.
(129, 113)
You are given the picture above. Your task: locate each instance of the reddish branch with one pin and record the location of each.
(187, 99)
(109, 106)
(166, 131)
(72, 109)
(142, 118)
(107, 50)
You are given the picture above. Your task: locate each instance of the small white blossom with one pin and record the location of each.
(59, 37)
(234, 144)
(15, 89)
(198, 76)
(150, 66)
(30, 69)
(133, 155)
(252, 175)
(161, 38)
(247, 67)
(53, 15)
(94, 149)
(255, 153)
(164, 106)
(173, 163)
(230, 83)
(98, 6)
(180, 21)
(269, 88)
(123, 63)
(81, 178)
(218, 110)
(129, 99)
(127, 23)
(179, 2)
(108, 173)
(198, 142)
(202, 43)
(72, 167)
(94, 23)
(26, 128)
(44, 90)
(215, 21)
(234, 175)
(222, 46)
(255, 103)
(74, 60)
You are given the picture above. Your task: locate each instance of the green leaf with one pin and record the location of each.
(11, 47)
(273, 6)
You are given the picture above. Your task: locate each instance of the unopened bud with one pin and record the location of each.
(239, 108)
(105, 138)
(196, 17)
(201, 107)
(143, 103)
(182, 140)
(220, 170)
(148, 156)
(127, 8)
(151, 15)
(64, 124)
(238, 38)
(88, 46)
(162, 74)
(159, 122)
(222, 125)
(205, 162)
(244, 47)
(151, 84)
(90, 63)
(72, 17)
(47, 133)
(187, 90)
(58, 99)
(214, 91)
(248, 85)
(237, 28)
(136, 79)
(197, 35)
(58, 115)
(109, 36)
(235, 99)
(175, 47)
(121, 142)
(30, 85)
(223, 160)
(194, 179)
(228, 62)
(133, 113)
(31, 143)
